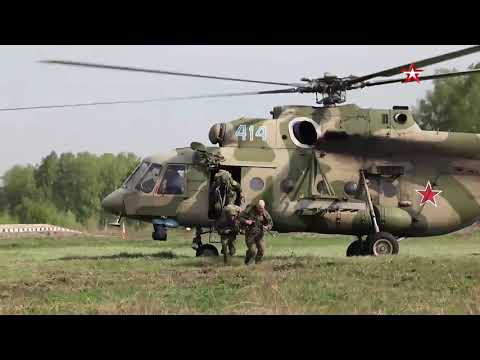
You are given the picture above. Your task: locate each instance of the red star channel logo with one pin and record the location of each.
(412, 74)
(428, 195)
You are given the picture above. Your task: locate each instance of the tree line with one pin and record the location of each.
(64, 190)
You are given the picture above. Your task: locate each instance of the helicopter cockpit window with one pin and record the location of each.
(136, 175)
(148, 182)
(173, 182)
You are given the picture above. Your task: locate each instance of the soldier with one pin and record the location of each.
(227, 226)
(256, 220)
(225, 191)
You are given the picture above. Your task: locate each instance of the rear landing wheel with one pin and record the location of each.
(382, 244)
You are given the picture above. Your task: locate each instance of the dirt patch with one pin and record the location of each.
(124, 255)
(288, 266)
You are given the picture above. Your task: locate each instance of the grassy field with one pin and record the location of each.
(302, 274)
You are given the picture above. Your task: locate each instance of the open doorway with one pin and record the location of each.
(236, 172)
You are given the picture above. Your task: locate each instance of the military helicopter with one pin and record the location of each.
(331, 169)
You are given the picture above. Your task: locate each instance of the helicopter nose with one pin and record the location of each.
(113, 203)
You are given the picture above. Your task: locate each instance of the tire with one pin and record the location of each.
(354, 249)
(382, 244)
(160, 234)
(207, 250)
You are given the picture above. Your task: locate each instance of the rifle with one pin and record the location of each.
(264, 228)
(272, 234)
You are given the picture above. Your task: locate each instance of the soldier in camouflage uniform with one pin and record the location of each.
(227, 226)
(225, 191)
(256, 220)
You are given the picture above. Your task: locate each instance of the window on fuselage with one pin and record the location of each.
(173, 182)
(147, 184)
(136, 175)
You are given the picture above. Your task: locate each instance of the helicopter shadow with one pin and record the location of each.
(123, 255)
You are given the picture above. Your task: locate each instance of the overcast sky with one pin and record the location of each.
(27, 136)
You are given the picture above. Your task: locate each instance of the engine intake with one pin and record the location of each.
(304, 132)
(217, 133)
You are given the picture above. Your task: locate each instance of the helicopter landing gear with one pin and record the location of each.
(376, 244)
(207, 250)
(197, 240)
(358, 248)
(200, 248)
(159, 233)
(381, 244)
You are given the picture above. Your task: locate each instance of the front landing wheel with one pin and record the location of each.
(382, 244)
(160, 233)
(207, 250)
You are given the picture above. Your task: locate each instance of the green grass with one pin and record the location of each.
(302, 274)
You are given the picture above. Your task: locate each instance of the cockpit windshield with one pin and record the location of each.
(148, 182)
(136, 175)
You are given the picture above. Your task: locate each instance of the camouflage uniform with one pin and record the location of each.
(255, 231)
(227, 227)
(225, 186)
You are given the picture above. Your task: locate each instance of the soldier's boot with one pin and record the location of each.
(260, 251)
(251, 249)
(259, 258)
(224, 252)
(231, 248)
(249, 257)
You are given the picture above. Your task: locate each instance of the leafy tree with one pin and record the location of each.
(46, 173)
(114, 170)
(19, 183)
(44, 212)
(63, 190)
(452, 105)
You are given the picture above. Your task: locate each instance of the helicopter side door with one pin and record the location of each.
(235, 171)
(193, 210)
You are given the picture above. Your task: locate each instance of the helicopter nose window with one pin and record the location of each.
(148, 182)
(136, 175)
(174, 180)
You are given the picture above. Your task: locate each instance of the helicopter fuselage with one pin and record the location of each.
(305, 163)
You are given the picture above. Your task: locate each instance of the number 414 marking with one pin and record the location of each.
(260, 133)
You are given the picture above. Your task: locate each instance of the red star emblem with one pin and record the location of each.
(428, 195)
(412, 74)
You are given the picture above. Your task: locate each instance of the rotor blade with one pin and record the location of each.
(152, 71)
(419, 64)
(281, 91)
(430, 77)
